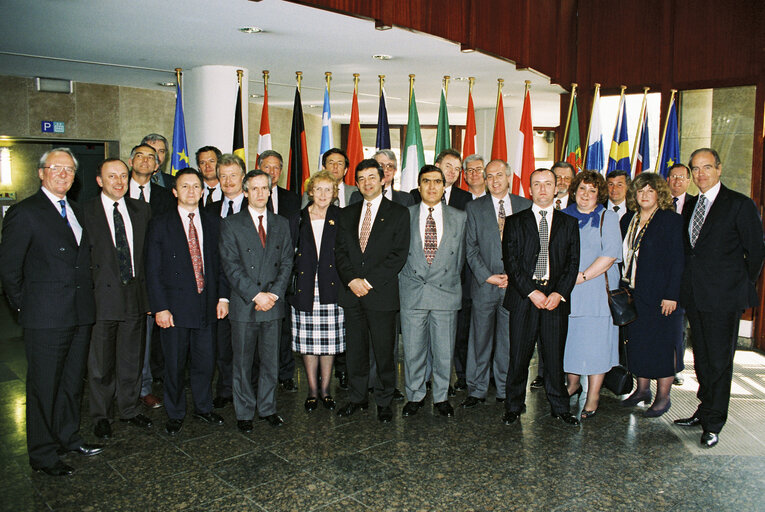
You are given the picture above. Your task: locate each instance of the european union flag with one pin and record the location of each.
(671, 152)
(180, 157)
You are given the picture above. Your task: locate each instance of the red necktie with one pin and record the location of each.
(196, 255)
(431, 238)
(261, 231)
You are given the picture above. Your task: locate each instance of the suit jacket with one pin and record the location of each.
(483, 246)
(385, 255)
(458, 198)
(289, 203)
(351, 192)
(435, 286)
(171, 284)
(109, 292)
(251, 268)
(520, 248)
(722, 269)
(685, 202)
(402, 198)
(161, 200)
(44, 273)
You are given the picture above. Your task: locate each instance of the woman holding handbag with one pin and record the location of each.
(318, 324)
(592, 340)
(653, 266)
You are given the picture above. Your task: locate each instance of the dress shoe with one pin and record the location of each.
(678, 380)
(384, 414)
(288, 385)
(709, 439)
(351, 407)
(655, 412)
(342, 380)
(311, 403)
(538, 383)
(103, 429)
(460, 385)
(472, 401)
(139, 420)
(329, 402)
(209, 417)
(450, 391)
(244, 426)
(637, 397)
(151, 401)
(397, 395)
(509, 417)
(57, 469)
(587, 414)
(172, 427)
(411, 408)
(444, 409)
(567, 417)
(577, 393)
(219, 402)
(88, 450)
(273, 419)
(688, 422)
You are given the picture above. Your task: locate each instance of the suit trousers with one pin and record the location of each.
(527, 323)
(428, 332)
(714, 335)
(198, 346)
(362, 327)
(224, 358)
(286, 356)
(489, 333)
(151, 333)
(462, 338)
(248, 338)
(55, 370)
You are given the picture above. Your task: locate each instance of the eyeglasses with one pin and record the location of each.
(61, 168)
(678, 177)
(474, 170)
(388, 166)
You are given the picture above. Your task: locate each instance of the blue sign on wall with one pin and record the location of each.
(52, 126)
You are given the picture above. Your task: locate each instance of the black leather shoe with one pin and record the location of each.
(244, 426)
(500, 399)
(350, 408)
(273, 419)
(342, 380)
(709, 439)
(460, 385)
(509, 417)
(411, 408)
(472, 401)
(57, 469)
(397, 395)
(444, 409)
(288, 385)
(678, 380)
(329, 402)
(219, 402)
(209, 417)
(384, 414)
(687, 422)
(311, 403)
(172, 427)
(538, 383)
(139, 420)
(88, 450)
(103, 429)
(450, 391)
(567, 417)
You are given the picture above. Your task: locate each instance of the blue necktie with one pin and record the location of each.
(62, 202)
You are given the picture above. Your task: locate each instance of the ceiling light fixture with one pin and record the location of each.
(166, 84)
(381, 25)
(382, 56)
(251, 30)
(460, 79)
(254, 95)
(466, 48)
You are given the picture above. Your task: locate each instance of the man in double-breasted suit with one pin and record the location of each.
(256, 252)
(45, 272)
(540, 249)
(431, 292)
(117, 228)
(489, 320)
(187, 295)
(370, 249)
(723, 258)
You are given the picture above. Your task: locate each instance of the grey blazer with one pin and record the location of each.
(483, 246)
(250, 268)
(436, 286)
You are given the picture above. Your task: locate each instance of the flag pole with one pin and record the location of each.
(265, 80)
(638, 140)
(446, 86)
(356, 83)
(382, 81)
(471, 81)
(411, 87)
(619, 112)
(299, 77)
(568, 120)
(328, 78)
(587, 140)
(526, 89)
(178, 78)
(664, 134)
(500, 83)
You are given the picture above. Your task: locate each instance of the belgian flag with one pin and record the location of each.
(238, 144)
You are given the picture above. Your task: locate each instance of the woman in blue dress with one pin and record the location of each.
(592, 341)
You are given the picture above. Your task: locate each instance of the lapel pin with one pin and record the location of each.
(331, 222)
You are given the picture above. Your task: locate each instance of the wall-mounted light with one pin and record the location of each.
(53, 85)
(5, 167)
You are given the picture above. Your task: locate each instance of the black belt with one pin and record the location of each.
(541, 282)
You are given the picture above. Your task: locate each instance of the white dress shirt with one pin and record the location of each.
(275, 199)
(134, 191)
(198, 225)
(254, 214)
(620, 210)
(508, 207)
(122, 208)
(73, 223)
(680, 202)
(479, 195)
(711, 195)
(536, 209)
(563, 202)
(438, 217)
(238, 200)
(375, 206)
(341, 195)
(447, 193)
(216, 192)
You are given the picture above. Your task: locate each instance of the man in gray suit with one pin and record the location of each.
(489, 326)
(256, 255)
(335, 161)
(431, 293)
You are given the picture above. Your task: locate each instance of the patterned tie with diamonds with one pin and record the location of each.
(541, 268)
(196, 255)
(431, 237)
(501, 218)
(122, 246)
(366, 227)
(698, 219)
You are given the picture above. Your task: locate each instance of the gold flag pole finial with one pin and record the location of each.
(265, 80)
(328, 78)
(446, 85)
(411, 87)
(299, 77)
(500, 84)
(568, 120)
(382, 81)
(178, 77)
(587, 140)
(239, 73)
(356, 83)
(471, 81)
(526, 88)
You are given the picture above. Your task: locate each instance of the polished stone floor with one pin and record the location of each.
(618, 460)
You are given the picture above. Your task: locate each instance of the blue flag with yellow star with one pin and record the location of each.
(671, 153)
(180, 158)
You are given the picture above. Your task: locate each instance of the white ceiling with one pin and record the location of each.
(140, 42)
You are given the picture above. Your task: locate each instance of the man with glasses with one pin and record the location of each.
(474, 175)
(679, 178)
(387, 160)
(564, 172)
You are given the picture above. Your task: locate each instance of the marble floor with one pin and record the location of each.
(618, 460)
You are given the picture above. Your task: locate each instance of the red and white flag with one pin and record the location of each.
(523, 161)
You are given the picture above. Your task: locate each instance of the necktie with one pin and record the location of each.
(501, 218)
(431, 237)
(196, 255)
(270, 205)
(557, 204)
(616, 208)
(261, 231)
(443, 198)
(366, 227)
(141, 197)
(208, 200)
(698, 219)
(230, 208)
(122, 246)
(541, 268)
(62, 202)
(674, 203)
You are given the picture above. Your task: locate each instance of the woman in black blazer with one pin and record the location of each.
(653, 268)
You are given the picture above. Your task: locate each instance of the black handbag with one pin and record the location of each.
(292, 285)
(618, 380)
(620, 300)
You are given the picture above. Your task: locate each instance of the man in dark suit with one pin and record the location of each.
(450, 163)
(387, 160)
(371, 248)
(724, 251)
(159, 143)
(186, 295)
(541, 255)
(45, 272)
(117, 228)
(335, 161)
(256, 253)
(207, 163)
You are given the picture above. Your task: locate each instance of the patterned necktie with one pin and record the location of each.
(208, 200)
(122, 246)
(431, 237)
(141, 197)
(501, 218)
(62, 202)
(541, 268)
(557, 204)
(366, 227)
(230, 208)
(698, 219)
(674, 204)
(196, 255)
(261, 231)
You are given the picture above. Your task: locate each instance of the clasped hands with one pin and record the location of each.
(359, 287)
(542, 301)
(264, 301)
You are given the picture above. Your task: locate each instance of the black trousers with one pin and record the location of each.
(461, 338)
(55, 370)
(198, 346)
